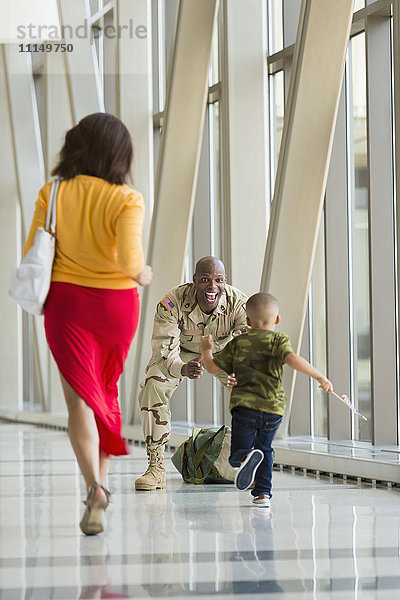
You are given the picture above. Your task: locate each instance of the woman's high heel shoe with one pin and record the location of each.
(92, 520)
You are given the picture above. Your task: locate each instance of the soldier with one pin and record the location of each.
(206, 306)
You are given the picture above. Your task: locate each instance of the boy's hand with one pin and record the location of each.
(206, 343)
(231, 380)
(325, 384)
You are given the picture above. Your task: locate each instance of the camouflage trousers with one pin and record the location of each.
(156, 391)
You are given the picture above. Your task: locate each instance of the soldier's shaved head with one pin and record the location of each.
(262, 308)
(209, 263)
(209, 279)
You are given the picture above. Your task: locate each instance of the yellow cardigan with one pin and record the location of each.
(98, 232)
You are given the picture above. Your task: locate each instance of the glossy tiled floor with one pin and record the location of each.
(320, 539)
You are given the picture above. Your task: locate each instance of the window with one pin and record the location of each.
(358, 187)
(317, 333)
(275, 26)
(359, 235)
(205, 238)
(276, 114)
(106, 48)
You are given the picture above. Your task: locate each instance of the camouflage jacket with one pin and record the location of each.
(179, 325)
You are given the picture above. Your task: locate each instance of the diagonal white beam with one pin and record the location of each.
(11, 365)
(29, 169)
(318, 64)
(25, 128)
(178, 161)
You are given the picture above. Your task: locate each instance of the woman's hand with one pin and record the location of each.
(145, 276)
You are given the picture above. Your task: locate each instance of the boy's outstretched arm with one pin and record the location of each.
(207, 346)
(301, 364)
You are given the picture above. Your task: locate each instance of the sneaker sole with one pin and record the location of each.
(261, 504)
(245, 476)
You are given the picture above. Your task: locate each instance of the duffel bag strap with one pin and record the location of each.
(198, 457)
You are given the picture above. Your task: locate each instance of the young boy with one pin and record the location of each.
(258, 400)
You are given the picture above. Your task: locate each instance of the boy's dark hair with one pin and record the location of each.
(99, 145)
(262, 306)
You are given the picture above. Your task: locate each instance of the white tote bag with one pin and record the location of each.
(30, 282)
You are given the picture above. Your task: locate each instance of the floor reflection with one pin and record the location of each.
(94, 554)
(321, 539)
(258, 534)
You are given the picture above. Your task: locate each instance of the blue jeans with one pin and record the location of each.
(254, 429)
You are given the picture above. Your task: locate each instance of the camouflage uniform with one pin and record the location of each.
(178, 327)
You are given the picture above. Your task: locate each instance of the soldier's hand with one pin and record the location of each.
(231, 380)
(193, 368)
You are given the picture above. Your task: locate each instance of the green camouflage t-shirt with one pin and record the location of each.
(257, 358)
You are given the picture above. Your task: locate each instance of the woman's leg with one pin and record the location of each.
(83, 436)
(104, 464)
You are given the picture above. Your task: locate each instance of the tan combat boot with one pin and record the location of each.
(154, 478)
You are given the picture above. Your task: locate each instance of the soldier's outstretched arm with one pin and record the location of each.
(193, 369)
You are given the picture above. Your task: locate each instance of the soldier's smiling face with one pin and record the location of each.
(209, 280)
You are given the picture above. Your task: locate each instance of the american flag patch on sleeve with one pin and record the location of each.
(167, 303)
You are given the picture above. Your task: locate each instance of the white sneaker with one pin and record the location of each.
(245, 474)
(262, 500)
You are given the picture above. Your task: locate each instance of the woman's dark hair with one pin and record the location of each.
(100, 145)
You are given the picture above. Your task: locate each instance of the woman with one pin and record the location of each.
(92, 310)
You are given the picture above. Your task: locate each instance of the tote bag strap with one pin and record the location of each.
(52, 208)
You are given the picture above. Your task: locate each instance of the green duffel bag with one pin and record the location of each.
(203, 458)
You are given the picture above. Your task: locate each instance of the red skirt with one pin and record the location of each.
(89, 331)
